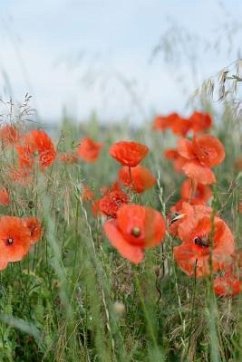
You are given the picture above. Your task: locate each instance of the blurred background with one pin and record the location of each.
(116, 59)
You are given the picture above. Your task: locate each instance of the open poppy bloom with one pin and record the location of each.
(194, 192)
(4, 197)
(196, 157)
(9, 134)
(89, 150)
(200, 121)
(184, 217)
(135, 229)
(128, 153)
(15, 240)
(206, 249)
(34, 144)
(138, 178)
(111, 201)
(34, 226)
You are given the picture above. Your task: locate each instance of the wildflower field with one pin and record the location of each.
(120, 243)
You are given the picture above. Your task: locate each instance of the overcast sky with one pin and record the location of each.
(89, 55)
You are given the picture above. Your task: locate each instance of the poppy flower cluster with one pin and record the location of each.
(207, 245)
(181, 126)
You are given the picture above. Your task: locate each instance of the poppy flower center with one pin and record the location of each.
(9, 241)
(136, 232)
(202, 241)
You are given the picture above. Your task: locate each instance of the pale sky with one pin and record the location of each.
(96, 55)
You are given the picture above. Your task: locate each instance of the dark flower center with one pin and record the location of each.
(136, 232)
(9, 241)
(202, 241)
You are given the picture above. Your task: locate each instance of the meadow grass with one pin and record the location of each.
(74, 298)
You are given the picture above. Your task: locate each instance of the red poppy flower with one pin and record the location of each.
(68, 158)
(195, 192)
(111, 201)
(209, 150)
(15, 239)
(9, 134)
(200, 121)
(34, 226)
(200, 246)
(135, 228)
(227, 285)
(180, 126)
(128, 153)
(195, 158)
(36, 143)
(89, 150)
(198, 173)
(161, 123)
(184, 218)
(138, 178)
(4, 197)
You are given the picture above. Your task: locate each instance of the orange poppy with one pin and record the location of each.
(184, 217)
(4, 197)
(135, 228)
(111, 201)
(128, 153)
(36, 142)
(200, 121)
(195, 192)
(195, 158)
(89, 150)
(227, 285)
(208, 150)
(138, 178)
(200, 246)
(180, 126)
(34, 226)
(15, 239)
(198, 173)
(161, 123)
(9, 134)
(68, 158)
